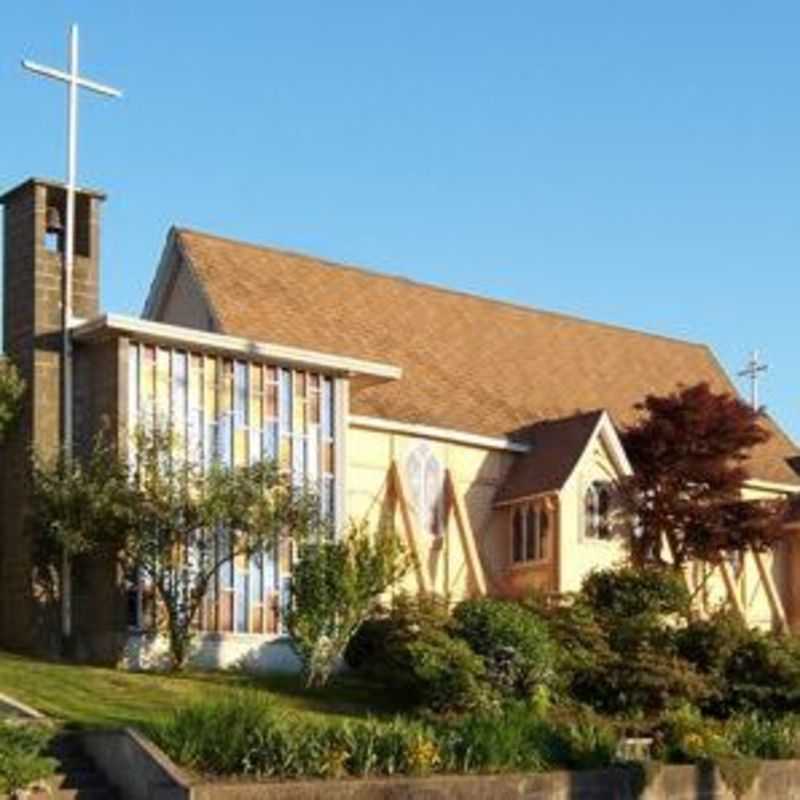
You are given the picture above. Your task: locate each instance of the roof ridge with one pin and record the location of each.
(375, 273)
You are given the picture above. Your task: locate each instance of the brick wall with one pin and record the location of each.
(32, 296)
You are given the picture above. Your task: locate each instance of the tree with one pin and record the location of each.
(12, 388)
(164, 515)
(335, 587)
(689, 450)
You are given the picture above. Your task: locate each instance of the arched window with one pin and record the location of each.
(425, 478)
(597, 505)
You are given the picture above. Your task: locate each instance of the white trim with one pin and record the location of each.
(191, 338)
(341, 394)
(528, 497)
(161, 278)
(433, 432)
(771, 486)
(610, 438)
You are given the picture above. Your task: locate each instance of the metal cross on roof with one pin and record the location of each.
(753, 371)
(74, 82)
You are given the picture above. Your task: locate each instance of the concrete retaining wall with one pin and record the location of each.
(135, 766)
(777, 781)
(142, 772)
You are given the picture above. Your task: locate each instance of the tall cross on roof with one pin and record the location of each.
(74, 82)
(753, 371)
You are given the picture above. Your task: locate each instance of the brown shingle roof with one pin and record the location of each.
(556, 447)
(469, 363)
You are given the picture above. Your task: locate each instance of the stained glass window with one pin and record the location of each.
(237, 412)
(425, 479)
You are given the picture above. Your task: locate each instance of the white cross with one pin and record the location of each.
(753, 371)
(74, 82)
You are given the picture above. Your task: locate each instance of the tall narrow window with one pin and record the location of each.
(425, 478)
(543, 550)
(597, 511)
(530, 533)
(517, 536)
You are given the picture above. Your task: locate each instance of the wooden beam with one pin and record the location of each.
(467, 535)
(400, 494)
(730, 585)
(775, 602)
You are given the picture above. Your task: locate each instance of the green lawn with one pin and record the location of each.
(96, 696)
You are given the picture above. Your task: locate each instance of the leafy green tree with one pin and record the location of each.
(336, 586)
(163, 514)
(12, 388)
(689, 453)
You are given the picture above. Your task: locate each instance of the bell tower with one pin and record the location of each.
(33, 294)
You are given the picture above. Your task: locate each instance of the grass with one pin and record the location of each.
(89, 696)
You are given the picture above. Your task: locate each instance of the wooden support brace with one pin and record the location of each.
(401, 496)
(774, 599)
(730, 586)
(466, 533)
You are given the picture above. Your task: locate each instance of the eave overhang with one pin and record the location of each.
(107, 326)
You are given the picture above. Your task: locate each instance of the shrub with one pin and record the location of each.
(444, 673)
(763, 674)
(369, 650)
(685, 736)
(517, 650)
(246, 735)
(757, 737)
(335, 587)
(410, 650)
(748, 670)
(22, 760)
(627, 592)
(617, 642)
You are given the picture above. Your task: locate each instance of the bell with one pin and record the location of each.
(53, 220)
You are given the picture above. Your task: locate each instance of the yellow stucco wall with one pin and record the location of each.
(476, 474)
(579, 554)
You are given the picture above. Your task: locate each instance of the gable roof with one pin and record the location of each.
(469, 363)
(556, 448)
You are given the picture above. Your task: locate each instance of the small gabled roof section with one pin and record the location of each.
(556, 449)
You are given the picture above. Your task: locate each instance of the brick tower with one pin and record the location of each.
(32, 317)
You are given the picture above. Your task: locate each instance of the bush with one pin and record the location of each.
(748, 670)
(762, 674)
(410, 650)
(444, 672)
(628, 592)
(521, 740)
(246, 735)
(516, 648)
(22, 762)
(335, 588)
(685, 736)
(369, 650)
(757, 737)
(617, 642)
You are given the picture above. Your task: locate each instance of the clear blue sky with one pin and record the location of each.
(637, 163)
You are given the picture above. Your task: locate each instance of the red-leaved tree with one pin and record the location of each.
(689, 451)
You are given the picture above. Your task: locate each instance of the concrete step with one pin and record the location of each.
(94, 793)
(77, 779)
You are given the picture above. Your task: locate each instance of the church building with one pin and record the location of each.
(487, 430)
